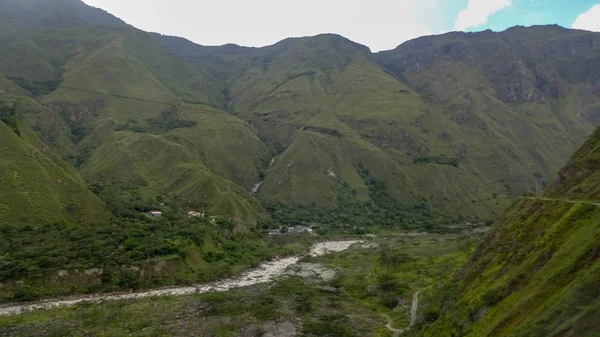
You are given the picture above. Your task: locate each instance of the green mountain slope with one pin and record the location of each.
(16, 14)
(69, 45)
(580, 178)
(537, 271)
(517, 103)
(37, 188)
(322, 83)
(467, 139)
(172, 164)
(462, 122)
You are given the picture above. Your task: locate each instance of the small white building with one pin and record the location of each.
(155, 213)
(193, 214)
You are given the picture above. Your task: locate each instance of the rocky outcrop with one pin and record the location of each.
(77, 113)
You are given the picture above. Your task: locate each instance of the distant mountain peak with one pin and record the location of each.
(54, 12)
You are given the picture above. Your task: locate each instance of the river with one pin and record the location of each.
(266, 272)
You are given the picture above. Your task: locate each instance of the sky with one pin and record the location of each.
(378, 24)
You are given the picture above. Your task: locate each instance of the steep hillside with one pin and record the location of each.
(461, 122)
(329, 86)
(466, 139)
(17, 14)
(36, 187)
(580, 179)
(176, 162)
(537, 271)
(517, 103)
(88, 78)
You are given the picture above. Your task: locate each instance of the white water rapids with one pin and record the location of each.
(266, 272)
(255, 189)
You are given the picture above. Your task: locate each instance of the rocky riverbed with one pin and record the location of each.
(266, 272)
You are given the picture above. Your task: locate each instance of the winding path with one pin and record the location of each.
(413, 316)
(266, 272)
(564, 200)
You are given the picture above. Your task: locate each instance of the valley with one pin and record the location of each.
(152, 186)
(362, 284)
(265, 273)
(337, 118)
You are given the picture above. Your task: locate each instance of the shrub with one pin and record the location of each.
(440, 160)
(128, 279)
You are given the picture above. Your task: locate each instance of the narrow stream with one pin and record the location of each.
(266, 272)
(256, 187)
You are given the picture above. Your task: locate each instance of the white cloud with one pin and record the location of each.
(379, 24)
(477, 12)
(589, 20)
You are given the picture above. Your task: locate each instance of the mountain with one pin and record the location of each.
(101, 122)
(19, 14)
(96, 80)
(34, 181)
(536, 272)
(580, 178)
(320, 84)
(461, 122)
(515, 103)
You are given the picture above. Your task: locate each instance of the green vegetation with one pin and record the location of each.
(355, 217)
(213, 157)
(37, 187)
(36, 89)
(441, 160)
(536, 272)
(126, 254)
(167, 120)
(326, 107)
(385, 279)
(327, 131)
(9, 117)
(358, 111)
(580, 178)
(370, 282)
(100, 122)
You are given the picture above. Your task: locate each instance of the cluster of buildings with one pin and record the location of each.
(158, 214)
(292, 230)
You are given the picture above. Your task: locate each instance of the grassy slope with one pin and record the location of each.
(518, 113)
(224, 147)
(536, 273)
(156, 165)
(321, 82)
(504, 121)
(580, 179)
(34, 13)
(39, 188)
(302, 81)
(121, 60)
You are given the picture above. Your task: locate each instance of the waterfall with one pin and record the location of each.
(256, 188)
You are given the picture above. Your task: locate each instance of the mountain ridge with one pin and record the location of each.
(324, 108)
(101, 123)
(535, 272)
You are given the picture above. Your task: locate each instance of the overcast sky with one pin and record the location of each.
(379, 24)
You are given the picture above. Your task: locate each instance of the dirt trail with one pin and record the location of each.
(563, 200)
(266, 272)
(413, 316)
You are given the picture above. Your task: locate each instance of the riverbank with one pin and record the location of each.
(341, 293)
(266, 272)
